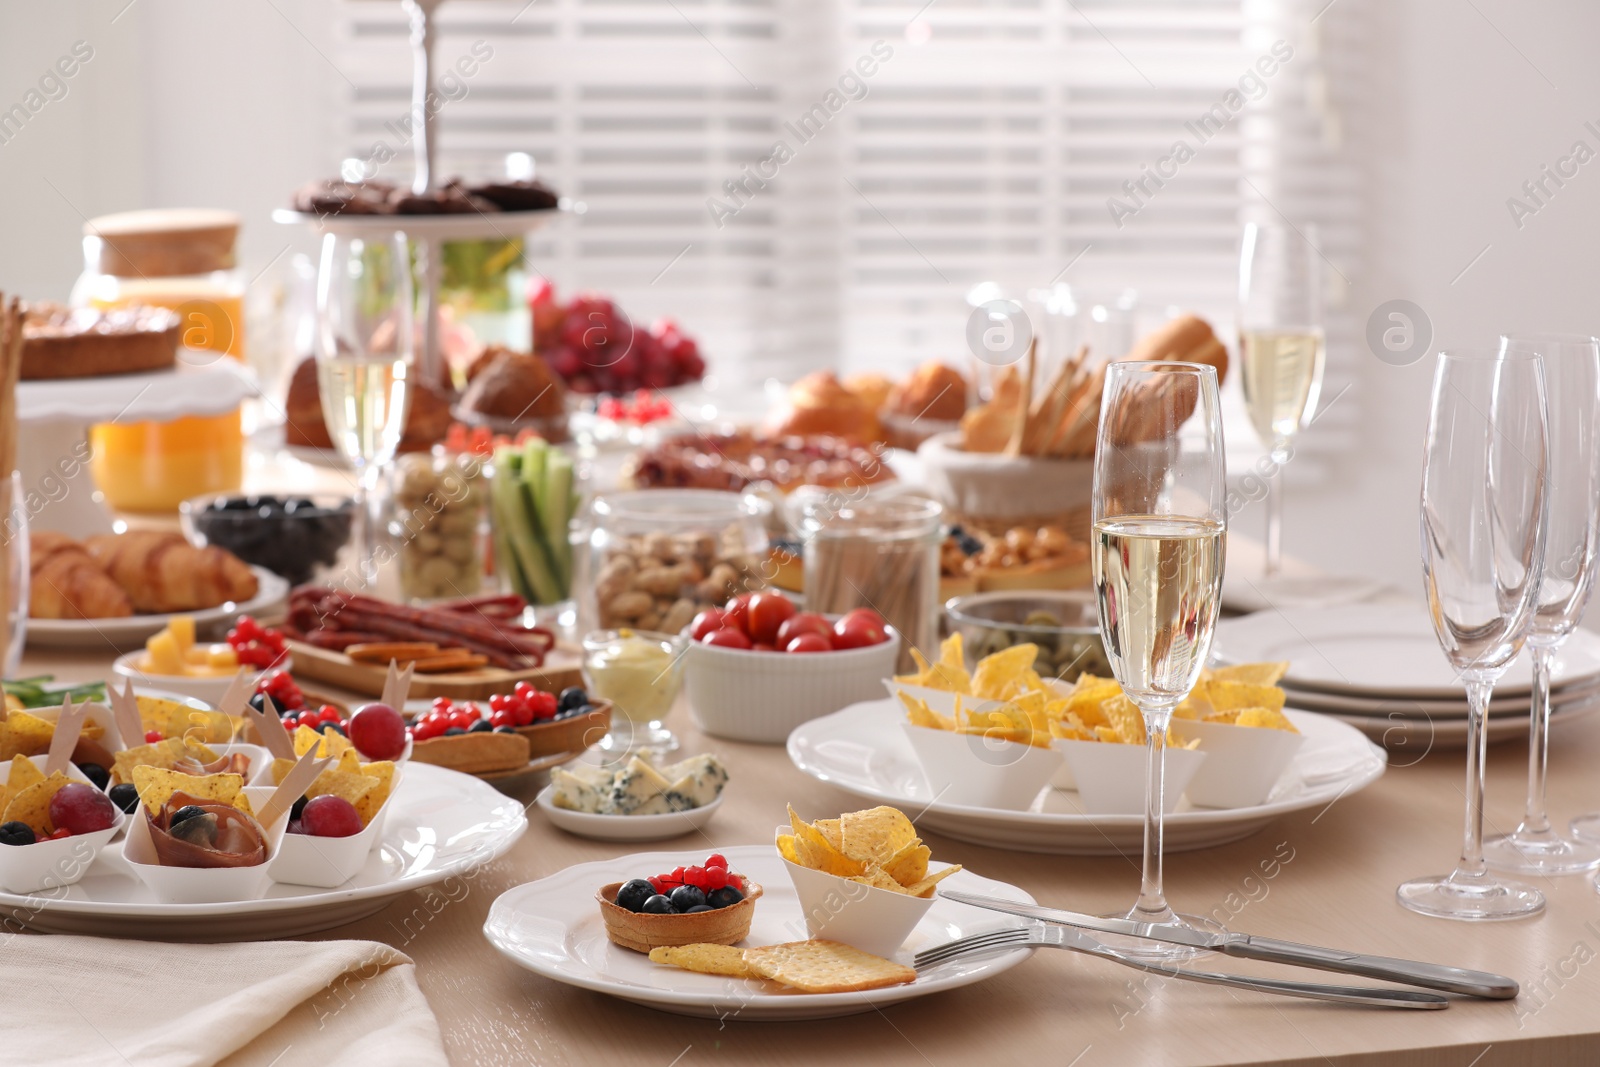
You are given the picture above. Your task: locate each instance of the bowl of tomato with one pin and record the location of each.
(758, 666)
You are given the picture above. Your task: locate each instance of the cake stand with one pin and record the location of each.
(55, 416)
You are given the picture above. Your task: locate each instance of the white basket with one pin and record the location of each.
(990, 487)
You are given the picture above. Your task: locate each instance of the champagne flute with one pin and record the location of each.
(1572, 374)
(1484, 506)
(366, 351)
(1157, 551)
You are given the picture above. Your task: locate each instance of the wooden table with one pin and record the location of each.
(1324, 876)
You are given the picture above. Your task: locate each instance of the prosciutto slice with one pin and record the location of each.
(223, 837)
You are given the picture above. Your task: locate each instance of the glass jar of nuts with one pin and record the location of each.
(436, 521)
(657, 557)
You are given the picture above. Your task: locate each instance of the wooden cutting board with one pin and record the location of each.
(561, 669)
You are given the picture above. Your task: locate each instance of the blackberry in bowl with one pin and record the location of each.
(294, 536)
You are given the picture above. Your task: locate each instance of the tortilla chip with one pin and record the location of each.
(878, 878)
(704, 959)
(875, 835)
(1226, 695)
(818, 853)
(1250, 673)
(995, 672)
(156, 785)
(25, 735)
(372, 801)
(327, 743)
(31, 805)
(1124, 718)
(1268, 718)
(910, 864)
(919, 714)
(925, 887)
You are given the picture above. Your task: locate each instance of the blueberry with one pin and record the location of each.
(482, 726)
(19, 833)
(454, 731)
(658, 905)
(505, 729)
(634, 893)
(687, 896)
(698, 908)
(125, 796)
(726, 897)
(259, 702)
(584, 709)
(191, 811)
(335, 727)
(299, 806)
(571, 697)
(96, 774)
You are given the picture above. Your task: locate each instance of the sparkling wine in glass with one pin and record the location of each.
(1485, 500)
(366, 355)
(1157, 552)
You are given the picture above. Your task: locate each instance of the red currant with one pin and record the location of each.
(717, 859)
(329, 713)
(152, 736)
(716, 878)
(502, 718)
(525, 690)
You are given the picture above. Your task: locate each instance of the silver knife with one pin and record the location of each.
(1245, 946)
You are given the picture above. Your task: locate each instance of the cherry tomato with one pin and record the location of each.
(866, 613)
(768, 612)
(809, 642)
(726, 638)
(762, 646)
(736, 613)
(857, 631)
(804, 622)
(704, 623)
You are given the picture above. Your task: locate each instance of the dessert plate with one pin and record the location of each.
(1378, 649)
(863, 750)
(440, 824)
(662, 827)
(553, 928)
(130, 632)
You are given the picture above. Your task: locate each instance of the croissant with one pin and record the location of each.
(67, 583)
(161, 572)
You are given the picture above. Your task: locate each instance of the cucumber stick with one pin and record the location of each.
(532, 495)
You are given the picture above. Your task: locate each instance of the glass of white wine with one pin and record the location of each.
(1160, 524)
(1281, 351)
(366, 356)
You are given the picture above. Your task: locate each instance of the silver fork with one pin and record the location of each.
(1052, 936)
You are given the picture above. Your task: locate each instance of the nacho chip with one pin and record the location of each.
(704, 959)
(909, 865)
(878, 878)
(818, 853)
(831, 829)
(25, 735)
(924, 888)
(995, 672)
(327, 743)
(1250, 673)
(1229, 695)
(1124, 718)
(919, 714)
(1086, 697)
(873, 836)
(825, 967)
(157, 784)
(1229, 717)
(789, 849)
(31, 805)
(1268, 718)
(372, 801)
(949, 674)
(340, 781)
(23, 774)
(163, 754)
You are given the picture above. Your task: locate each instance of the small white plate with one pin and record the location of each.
(130, 632)
(627, 827)
(863, 751)
(1378, 649)
(553, 928)
(209, 689)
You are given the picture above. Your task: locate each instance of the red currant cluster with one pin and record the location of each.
(327, 715)
(256, 645)
(643, 408)
(524, 706)
(709, 878)
(280, 686)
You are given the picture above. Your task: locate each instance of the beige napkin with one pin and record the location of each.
(90, 1000)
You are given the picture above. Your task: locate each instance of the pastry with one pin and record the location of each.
(873, 389)
(68, 583)
(427, 421)
(934, 391)
(820, 404)
(732, 461)
(163, 573)
(454, 197)
(513, 386)
(62, 342)
(521, 195)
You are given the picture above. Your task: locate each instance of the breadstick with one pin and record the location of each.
(1024, 402)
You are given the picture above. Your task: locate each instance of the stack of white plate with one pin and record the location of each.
(1379, 668)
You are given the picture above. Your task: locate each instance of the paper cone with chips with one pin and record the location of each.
(863, 879)
(331, 861)
(25, 793)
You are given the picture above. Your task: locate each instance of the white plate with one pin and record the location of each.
(1404, 735)
(553, 927)
(627, 827)
(863, 751)
(479, 225)
(441, 824)
(128, 633)
(1418, 708)
(1386, 649)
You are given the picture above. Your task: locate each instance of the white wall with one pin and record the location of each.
(196, 102)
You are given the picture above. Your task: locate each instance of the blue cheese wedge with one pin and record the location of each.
(639, 788)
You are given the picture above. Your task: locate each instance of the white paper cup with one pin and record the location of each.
(981, 772)
(862, 916)
(327, 862)
(202, 885)
(1110, 777)
(46, 865)
(1243, 763)
(939, 700)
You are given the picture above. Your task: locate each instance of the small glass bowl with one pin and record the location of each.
(642, 691)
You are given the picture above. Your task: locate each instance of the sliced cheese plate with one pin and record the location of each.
(562, 667)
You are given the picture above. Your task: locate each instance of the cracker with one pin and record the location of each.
(825, 967)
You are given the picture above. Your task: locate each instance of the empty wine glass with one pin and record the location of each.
(1572, 374)
(1484, 505)
(1157, 550)
(366, 353)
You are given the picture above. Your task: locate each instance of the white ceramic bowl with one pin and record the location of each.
(862, 916)
(745, 695)
(209, 885)
(1110, 777)
(627, 827)
(46, 865)
(1242, 765)
(210, 690)
(326, 862)
(982, 772)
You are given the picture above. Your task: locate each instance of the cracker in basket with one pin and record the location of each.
(703, 959)
(825, 967)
